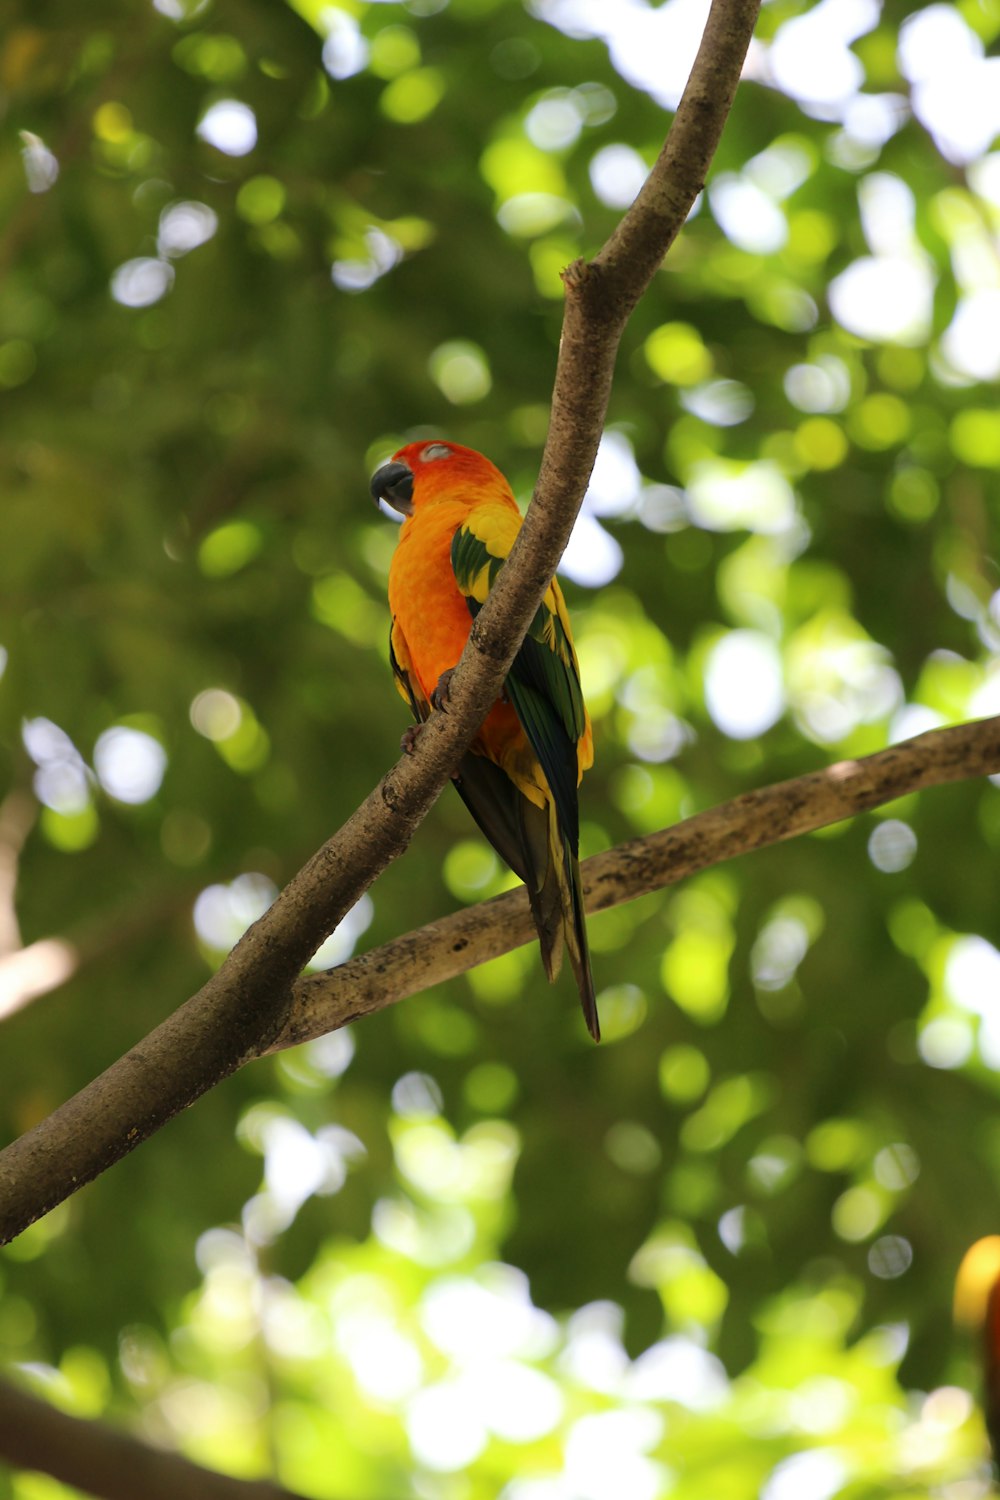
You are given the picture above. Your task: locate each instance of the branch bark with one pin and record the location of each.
(444, 949)
(95, 1457)
(245, 1006)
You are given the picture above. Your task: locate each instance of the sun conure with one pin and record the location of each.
(520, 777)
(977, 1306)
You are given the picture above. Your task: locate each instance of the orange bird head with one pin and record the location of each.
(434, 470)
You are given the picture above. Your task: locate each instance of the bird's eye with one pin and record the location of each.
(435, 450)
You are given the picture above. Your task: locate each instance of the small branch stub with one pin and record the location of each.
(575, 275)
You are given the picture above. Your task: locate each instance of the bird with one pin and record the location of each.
(977, 1306)
(520, 777)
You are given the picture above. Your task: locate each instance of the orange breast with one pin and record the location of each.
(423, 595)
(435, 621)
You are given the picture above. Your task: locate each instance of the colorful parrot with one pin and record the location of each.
(519, 779)
(977, 1305)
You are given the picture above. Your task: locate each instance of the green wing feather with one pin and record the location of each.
(544, 683)
(516, 832)
(543, 686)
(546, 660)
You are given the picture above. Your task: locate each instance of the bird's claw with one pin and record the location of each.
(440, 695)
(439, 700)
(408, 742)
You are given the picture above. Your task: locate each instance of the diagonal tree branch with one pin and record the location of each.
(755, 820)
(444, 949)
(600, 297)
(113, 1465)
(243, 1007)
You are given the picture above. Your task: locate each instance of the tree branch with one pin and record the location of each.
(601, 295)
(244, 1007)
(444, 949)
(95, 1457)
(755, 820)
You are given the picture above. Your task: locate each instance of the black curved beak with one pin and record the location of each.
(393, 483)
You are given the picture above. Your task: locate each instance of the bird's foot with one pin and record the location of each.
(440, 695)
(408, 742)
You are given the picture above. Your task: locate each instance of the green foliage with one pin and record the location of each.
(247, 251)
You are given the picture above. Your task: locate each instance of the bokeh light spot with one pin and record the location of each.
(394, 50)
(229, 548)
(222, 913)
(461, 372)
(230, 126)
(260, 199)
(884, 298)
(216, 714)
(141, 282)
(413, 96)
(617, 172)
(676, 354)
(41, 168)
(857, 1213)
(747, 216)
(975, 437)
(821, 443)
(345, 50)
(185, 226)
(946, 1042)
(879, 421)
(339, 946)
(684, 1073)
(892, 846)
(129, 764)
(744, 690)
(890, 1256)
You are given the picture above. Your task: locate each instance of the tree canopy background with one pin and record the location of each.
(248, 249)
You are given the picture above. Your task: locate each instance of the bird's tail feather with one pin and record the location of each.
(519, 832)
(543, 884)
(563, 884)
(530, 839)
(575, 930)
